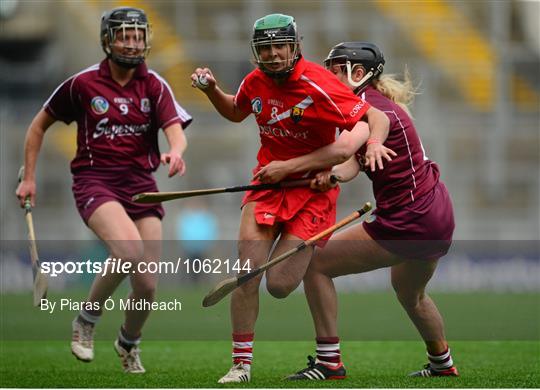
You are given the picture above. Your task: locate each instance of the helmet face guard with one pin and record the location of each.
(275, 29)
(115, 25)
(352, 54)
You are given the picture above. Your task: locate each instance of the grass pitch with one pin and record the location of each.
(195, 364)
(494, 339)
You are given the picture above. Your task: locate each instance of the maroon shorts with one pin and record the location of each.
(93, 187)
(420, 230)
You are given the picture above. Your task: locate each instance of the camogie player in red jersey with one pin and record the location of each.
(119, 106)
(298, 105)
(409, 231)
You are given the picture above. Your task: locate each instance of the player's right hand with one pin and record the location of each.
(322, 181)
(206, 73)
(175, 161)
(26, 188)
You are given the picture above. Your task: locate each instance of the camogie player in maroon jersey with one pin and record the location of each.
(297, 105)
(409, 231)
(119, 106)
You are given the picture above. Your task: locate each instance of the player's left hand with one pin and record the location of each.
(323, 181)
(175, 161)
(274, 172)
(375, 153)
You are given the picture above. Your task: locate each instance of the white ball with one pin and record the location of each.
(202, 82)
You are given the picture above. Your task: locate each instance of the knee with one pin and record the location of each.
(145, 288)
(278, 290)
(129, 251)
(409, 299)
(315, 276)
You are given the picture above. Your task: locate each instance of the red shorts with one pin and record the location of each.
(93, 187)
(421, 230)
(303, 212)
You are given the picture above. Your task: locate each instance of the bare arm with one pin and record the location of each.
(379, 124)
(344, 172)
(335, 153)
(223, 102)
(32, 145)
(177, 146)
(379, 127)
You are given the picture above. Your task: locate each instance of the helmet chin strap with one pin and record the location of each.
(283, 73)
(125, 62)
(357, 84)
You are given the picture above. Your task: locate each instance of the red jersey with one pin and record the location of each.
(116, 126)
(409, 175)
(295, 118)
(302, 114)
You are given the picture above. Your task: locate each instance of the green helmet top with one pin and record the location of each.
(273, 21)
(275, 29)
(275, 26)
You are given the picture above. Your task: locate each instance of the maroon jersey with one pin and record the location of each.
(409, 175)
(116, 126)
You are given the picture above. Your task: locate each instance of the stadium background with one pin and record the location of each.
(478, 115)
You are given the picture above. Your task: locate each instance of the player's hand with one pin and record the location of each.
(274, 172)
(323, 181)
(175, 161)
(375, 153)
(26, 188)
(208, 77)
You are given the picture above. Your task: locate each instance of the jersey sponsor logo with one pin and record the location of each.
(112, 131)
(122, 100)
(256, 105)
(280, 132)
(99, 105)
(145, 105)
(268, 215)
(296, 114)
(275, 102)
(300, 107)
(356, 109)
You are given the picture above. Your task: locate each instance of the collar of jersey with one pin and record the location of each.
(140, 72)
(298, 69)
(365, 89)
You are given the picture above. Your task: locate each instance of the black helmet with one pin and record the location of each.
(366, 54)
(124, 18)
(275, 29)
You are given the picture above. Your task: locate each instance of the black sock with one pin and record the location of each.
(127, 341)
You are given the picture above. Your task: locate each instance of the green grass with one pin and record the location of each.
(199, 364)
(369, 316)
(494, 338)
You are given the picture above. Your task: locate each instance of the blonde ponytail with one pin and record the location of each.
(400, 92)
